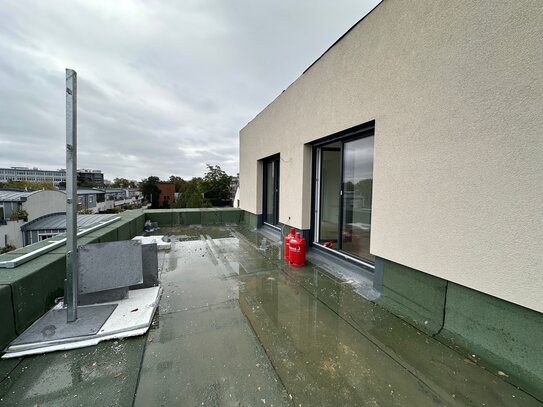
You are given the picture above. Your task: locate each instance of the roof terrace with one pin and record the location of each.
(237, 326)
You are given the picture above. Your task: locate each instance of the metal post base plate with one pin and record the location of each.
(53, 328)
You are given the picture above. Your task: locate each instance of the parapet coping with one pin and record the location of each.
(53, 244)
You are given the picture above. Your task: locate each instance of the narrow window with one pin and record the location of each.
(270, 207)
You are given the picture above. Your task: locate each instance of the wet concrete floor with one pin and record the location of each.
(236, 326)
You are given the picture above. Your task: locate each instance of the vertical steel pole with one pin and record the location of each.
(72, 273)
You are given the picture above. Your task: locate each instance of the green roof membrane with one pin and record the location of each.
(7, 321)
(103, 375)
(34, 287)
(237, 326)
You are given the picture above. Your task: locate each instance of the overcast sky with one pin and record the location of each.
(163, 86)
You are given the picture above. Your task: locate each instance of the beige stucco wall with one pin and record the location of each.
(44, 202)
(456, 92)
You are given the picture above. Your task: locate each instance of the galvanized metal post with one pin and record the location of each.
(72, 273)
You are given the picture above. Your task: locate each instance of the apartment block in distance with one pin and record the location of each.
(84, 176)
(90, 177)
(32, 174)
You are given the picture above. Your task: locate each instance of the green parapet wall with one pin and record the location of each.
(7, 321)
(250, 219)
(416, 297)
(503, 337)
(106, 234)
(34, 287)
(29, 290)
(162, 216)
(194, 216)
(190, 217)
(508, 336)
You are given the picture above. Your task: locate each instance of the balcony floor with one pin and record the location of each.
(237, 327)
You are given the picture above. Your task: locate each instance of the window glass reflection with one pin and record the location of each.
(357, 194)
(269, 192)
(330, 195)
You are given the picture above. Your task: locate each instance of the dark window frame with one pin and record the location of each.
(353, 133)
(275, 160)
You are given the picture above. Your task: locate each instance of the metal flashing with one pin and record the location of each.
(52, 246)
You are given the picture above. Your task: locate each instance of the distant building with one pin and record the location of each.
(88, 199)
(234, 184)
(235, 204)
(121, 193)
(45, 203)
(35, 203)
(88, 177)
(32, 174)
(84, 176)
(119, 196)
(100, 200)
(167, 194)
(54, 224)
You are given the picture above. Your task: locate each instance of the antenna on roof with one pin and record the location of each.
(72, 272)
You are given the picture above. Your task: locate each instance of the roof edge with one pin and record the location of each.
(310, 66)
(340, 38)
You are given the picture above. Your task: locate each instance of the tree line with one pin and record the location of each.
(211, 190)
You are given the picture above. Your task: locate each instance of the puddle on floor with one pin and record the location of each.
(237, 326)
(193, 232)
(321, 343)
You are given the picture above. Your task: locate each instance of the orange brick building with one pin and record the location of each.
(167, 194)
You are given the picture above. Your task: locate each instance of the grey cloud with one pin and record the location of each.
(164, 87)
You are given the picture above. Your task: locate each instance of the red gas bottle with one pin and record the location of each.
(297, 251)
(288, 238)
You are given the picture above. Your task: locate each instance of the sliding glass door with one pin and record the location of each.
(271, 191)
(329, 194)
(356, 202)
(344, 191)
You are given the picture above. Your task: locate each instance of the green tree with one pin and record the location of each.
(29, 185)
(363, 190)
(19, 213)
(180, 183)
(123, 183)
(191, 195)
(150, 190)
(216, 186)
